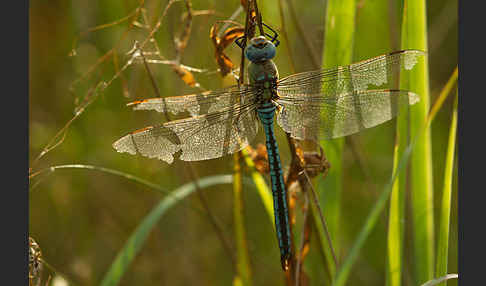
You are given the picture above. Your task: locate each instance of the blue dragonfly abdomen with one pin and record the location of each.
(266, 112)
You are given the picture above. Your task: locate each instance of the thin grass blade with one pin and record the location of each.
(440, 280)
(139, 236)
(261, 186)
(445, 212)
(243, 269)
(343, 274)
(396, 215)
(345, 270)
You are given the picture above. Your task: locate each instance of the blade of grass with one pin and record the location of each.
(261, 186)
(445, 92)
(338, 50)
(396, 216)
(440, 279)
(414, 36)
(243, 269)
(133, 245)
(445, 212)
(370, 222)
(127, 176)
(50, 170)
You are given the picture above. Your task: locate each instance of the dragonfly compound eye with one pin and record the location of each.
(260, 49)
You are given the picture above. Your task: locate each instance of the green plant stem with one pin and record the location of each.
(372, 218)
(396, 216)
(414, 36)
(370, 222)
(444, 92)
(445, 212)
(105, 170)
(242, 259)
(261, 185)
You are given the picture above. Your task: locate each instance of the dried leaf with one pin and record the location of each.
(213, 35)
(35, 255)
(185, 75)
(224, 62)
(260, 158)
(230, 35)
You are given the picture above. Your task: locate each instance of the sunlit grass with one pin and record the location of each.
(414, 36)
(445, 212)
(242, 259)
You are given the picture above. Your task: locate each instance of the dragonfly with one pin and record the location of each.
(313, 105)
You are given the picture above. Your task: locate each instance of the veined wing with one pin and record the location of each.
(377, 71)
(201, 137)
(199, 103)
(315, 117)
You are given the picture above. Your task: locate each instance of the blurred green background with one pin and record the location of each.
(81, 218)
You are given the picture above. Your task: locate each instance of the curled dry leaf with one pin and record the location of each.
(220, 43)
(185, 75)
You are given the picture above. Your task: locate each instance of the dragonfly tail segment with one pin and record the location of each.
(266, 113)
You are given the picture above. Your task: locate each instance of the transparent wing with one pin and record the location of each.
(315, 117)
(197, 104)
(202, 137)
(376, 71)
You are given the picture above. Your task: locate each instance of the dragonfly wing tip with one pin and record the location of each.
(413, 98)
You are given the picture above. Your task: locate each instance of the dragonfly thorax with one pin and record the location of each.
(264, 75)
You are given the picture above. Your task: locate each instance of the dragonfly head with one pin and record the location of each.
(260, 49)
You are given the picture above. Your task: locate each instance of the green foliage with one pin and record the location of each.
(445, 211)
(242, 259)
(92, 227)
(414, 36)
